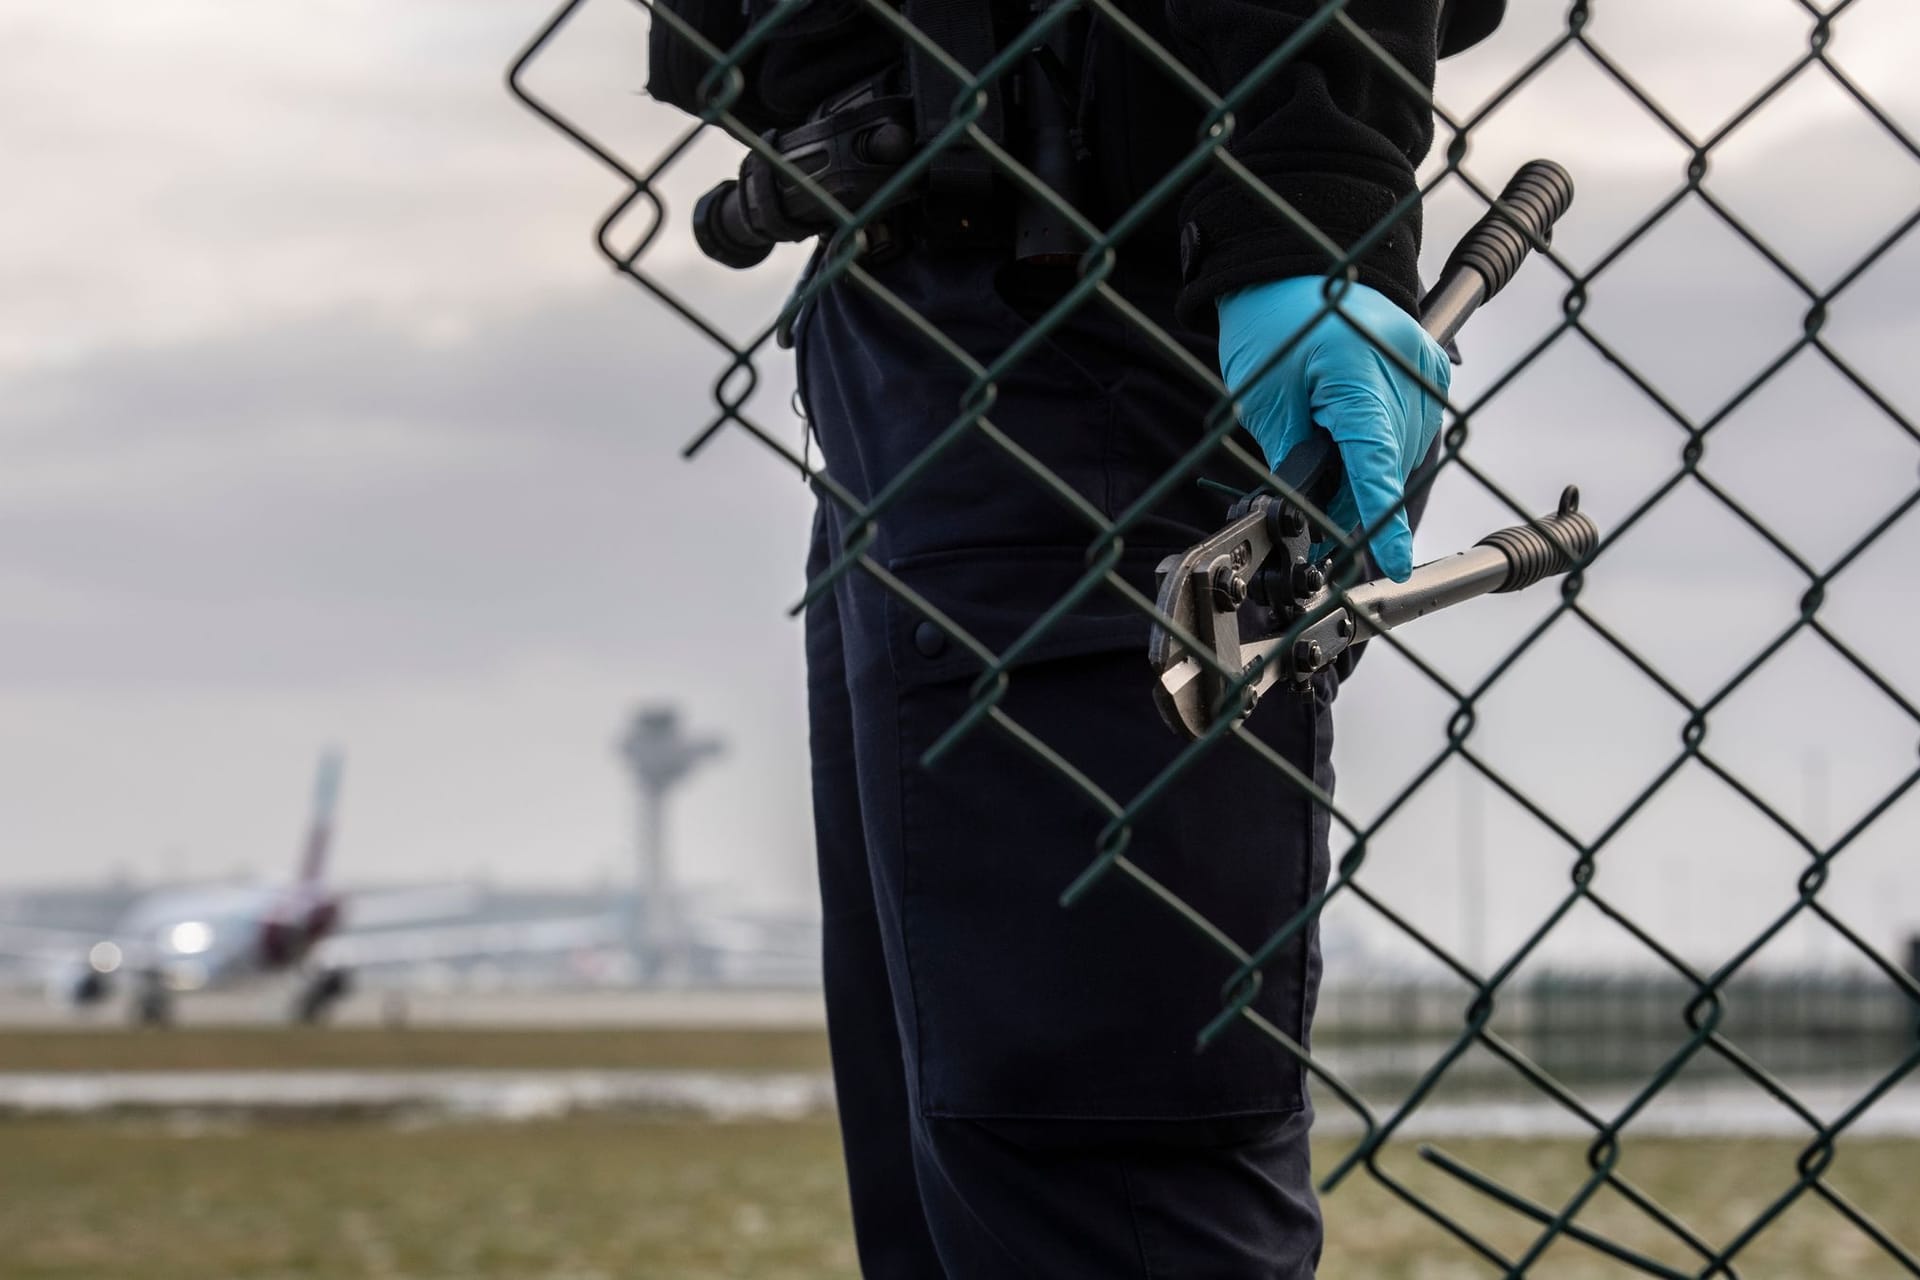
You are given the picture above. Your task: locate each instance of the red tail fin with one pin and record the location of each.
(326, 792)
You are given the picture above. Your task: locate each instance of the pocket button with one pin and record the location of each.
(930, 640)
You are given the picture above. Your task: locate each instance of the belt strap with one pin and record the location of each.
(961, 178)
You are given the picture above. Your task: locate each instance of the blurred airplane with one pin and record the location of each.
(181, 940)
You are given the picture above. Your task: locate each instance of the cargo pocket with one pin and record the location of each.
(1024, 1008)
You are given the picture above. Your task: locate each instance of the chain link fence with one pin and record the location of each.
(637, 238)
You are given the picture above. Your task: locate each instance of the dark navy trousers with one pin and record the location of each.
(1019, 1088)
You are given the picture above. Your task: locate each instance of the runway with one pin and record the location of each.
(415, 1094)
(411, 1096)
(267, 1005)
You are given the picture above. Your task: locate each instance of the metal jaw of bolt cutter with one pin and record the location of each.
(1263, 607)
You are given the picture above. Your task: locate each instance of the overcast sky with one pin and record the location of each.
(324, 423)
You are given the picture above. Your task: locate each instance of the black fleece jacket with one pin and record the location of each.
(1334, 131)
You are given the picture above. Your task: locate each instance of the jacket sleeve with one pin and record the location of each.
(1333, 131)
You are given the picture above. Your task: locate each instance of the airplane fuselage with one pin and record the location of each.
(194, 939)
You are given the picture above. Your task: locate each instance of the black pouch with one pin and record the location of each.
(818, 49)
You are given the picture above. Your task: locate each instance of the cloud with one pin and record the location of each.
(206, 166)
(333, 496)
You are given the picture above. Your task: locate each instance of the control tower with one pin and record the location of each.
(661, 755)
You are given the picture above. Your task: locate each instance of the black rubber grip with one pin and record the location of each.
(1524, 215)
(1543, 547)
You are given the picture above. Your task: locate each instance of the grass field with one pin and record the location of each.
(604, 1197)
(608, 1196)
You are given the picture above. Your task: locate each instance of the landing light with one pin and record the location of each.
(190, 937)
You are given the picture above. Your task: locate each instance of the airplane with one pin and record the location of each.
(176, 941)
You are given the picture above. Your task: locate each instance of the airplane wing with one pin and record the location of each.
(752, 950)
(387, 908)
(469, 941)
(758, 936)
(31, 942)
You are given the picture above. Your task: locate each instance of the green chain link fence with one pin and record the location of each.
(1699, 1003)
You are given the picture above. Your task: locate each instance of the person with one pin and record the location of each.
(1019, 1088)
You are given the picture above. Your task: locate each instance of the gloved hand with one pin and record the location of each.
(1381, 419)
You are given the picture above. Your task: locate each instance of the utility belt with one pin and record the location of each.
(859, 140)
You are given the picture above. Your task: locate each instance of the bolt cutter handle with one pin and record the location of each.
(1486, 258)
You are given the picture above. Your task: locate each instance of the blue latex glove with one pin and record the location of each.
(1381, 419)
